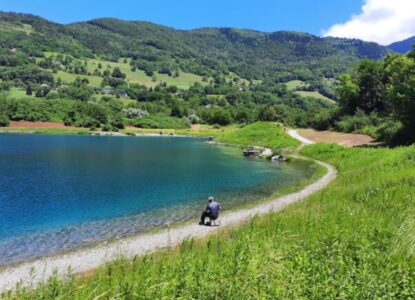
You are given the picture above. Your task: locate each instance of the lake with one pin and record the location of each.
(63, 192)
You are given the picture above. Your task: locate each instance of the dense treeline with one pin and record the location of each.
(378, 97)
(215, 104)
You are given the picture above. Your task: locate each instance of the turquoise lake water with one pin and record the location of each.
(62, 192)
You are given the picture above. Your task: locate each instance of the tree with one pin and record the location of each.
(42, 91)
(348, 94)
(29, 90)
(244, 115)
(178, 110)
(116, 73)
(149, 72)
(401, 88)
(370, 78)
(5, 86)
(220, 116)
(4, 121)
(267, 114)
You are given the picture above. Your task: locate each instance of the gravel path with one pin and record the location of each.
(294, 134)
(86, 259)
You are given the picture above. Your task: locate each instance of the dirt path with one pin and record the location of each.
(294, 134)
(87, 259)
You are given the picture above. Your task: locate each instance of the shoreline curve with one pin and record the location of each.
(83, 260)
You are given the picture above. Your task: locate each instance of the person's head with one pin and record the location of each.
(211, 199)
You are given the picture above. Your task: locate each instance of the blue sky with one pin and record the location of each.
(265, 15)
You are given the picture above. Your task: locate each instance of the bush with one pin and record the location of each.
(388, 131)
(162, 122)
(87, 122)
(220, 116)
(117, 122)
(323, 120)
(4, 121)
(108, 127)
(353, 123)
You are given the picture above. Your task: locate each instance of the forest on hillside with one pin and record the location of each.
(111, 73)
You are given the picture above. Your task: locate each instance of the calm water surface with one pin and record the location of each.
(63, 192)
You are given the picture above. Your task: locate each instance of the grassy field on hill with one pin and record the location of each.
(316, 95)
(19, 94)
(293, 84)
(66, 77)
(183, 81)
(353, 240)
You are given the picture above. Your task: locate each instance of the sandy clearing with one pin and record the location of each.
(84, 260)
(343, 139)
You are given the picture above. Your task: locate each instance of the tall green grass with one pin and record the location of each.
(271, 135)
(264, 134)
(354, 240)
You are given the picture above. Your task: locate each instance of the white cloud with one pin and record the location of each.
(381, 21)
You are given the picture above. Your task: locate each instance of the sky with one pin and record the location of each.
(383, 21)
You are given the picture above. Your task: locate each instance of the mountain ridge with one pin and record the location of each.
(403, 46)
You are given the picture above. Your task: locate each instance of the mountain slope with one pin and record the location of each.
(403, 46)
(207, 51)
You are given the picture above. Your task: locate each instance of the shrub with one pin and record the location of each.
(220, 116)
(162, 122)
(117, 122)
(389, 130)
(107, 127)
(353, 123)
(4, 121)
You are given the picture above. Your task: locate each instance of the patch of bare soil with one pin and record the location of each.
(25, 124)
(343, 139)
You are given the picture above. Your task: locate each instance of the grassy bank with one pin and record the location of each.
(353, 240)
(271, 135)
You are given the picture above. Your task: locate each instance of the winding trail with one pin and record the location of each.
(32, 273)
(294, 134)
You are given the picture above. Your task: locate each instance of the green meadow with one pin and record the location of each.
(315, 95)
(183, 81)
(94, 81)
(294, 84)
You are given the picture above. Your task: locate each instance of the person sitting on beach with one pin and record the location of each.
(211, 211)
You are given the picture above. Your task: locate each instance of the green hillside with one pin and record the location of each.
(129, 70)
(250, 54)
